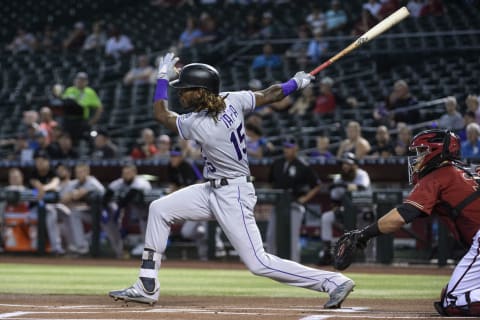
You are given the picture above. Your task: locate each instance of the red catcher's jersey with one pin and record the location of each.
(451, 185)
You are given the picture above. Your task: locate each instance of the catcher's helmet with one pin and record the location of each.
(431, 148)
(198, 75)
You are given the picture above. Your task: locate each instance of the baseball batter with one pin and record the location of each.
(217, 124)
(444, 187)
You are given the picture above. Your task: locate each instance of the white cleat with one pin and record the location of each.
(339, 295)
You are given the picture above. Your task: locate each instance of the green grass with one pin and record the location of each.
(91, 280)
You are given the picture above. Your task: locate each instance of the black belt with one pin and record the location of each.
(217, 183)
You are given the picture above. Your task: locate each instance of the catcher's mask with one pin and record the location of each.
(198, 75)
(431, 148)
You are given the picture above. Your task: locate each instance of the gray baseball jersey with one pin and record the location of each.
(138, 183)
(222, 141)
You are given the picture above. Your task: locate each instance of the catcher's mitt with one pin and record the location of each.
(345, 248)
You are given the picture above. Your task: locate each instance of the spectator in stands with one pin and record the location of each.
(141, 74)
(365, 23)
(452, 120)
(41, 138)
(316, 20)
(391, 112)
(22, 42)
(76, 37)
(373, 7)
(21, 150)
(383, 146)
(468, 118)
(76, 199)
(146, 148)
(403, 139)
(326, 101)
(103, 147)
(415, 7)
(190, 149)
(118, 44)
(250, 26)
(47, 123)
(48, 40)
(432, 8)
(97, 39)
(125, 202)
(351, 178)
(29, 120)
(190, 34)
(256, 144)
(163, 144)
(354, 142)
(322, 150)
(473, 104)
(206, 44)
(471, 147)
(267, 60)
(169, 3)
(293, 174)
(297, 52)
(316, 48)
(64, 149)
(43, 180)
(335, 18)
(304, 103)
(80, 101)
(268, 29)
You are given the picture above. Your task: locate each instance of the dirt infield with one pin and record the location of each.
(202, 308)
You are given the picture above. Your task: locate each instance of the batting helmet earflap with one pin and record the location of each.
(198, 75)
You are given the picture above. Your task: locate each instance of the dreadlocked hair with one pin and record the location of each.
(214, 104)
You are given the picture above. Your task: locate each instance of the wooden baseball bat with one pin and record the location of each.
(376, 30)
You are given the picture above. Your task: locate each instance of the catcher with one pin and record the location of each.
(442, 186)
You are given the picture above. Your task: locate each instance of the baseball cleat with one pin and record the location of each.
(339, 295)
(132, 294)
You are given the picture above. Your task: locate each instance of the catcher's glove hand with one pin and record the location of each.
(345, 248)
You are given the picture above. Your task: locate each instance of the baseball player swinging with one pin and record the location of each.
(217, 124)
(444, 187)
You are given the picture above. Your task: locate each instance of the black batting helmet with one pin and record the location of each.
(198, 75)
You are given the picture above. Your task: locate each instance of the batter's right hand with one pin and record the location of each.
(302, 79)
(166, 67)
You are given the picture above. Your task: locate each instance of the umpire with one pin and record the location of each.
(292, 174)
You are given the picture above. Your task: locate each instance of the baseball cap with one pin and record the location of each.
(40, 153)
(103, 132)
(81, 75)
(349, 157)
(290, 142)
(327, 80)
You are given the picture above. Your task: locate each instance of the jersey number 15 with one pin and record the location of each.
(238, 139)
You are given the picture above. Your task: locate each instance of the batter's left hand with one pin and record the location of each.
(166, 67)
(302, 79)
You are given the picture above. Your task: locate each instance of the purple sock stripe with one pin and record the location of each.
(289, 87)
(161, 91)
